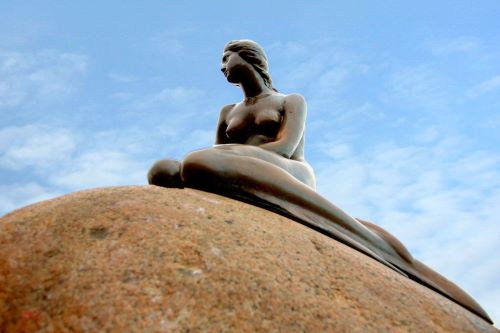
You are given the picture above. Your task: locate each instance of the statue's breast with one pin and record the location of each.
(267, 122)
(238, 126)
(245, 122)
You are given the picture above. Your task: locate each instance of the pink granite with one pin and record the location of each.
(149, 259)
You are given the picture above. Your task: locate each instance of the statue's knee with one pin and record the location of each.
(195, 157)
(165, 173)
(203, 166)
(311, 182)
(206, 159)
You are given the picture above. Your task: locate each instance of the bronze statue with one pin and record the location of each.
(258, 157)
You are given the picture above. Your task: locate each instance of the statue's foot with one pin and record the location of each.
(166, 173)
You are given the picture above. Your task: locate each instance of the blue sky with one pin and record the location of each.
(403, 106)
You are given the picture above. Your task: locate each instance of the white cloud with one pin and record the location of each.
(21, 194)
(34, 145)
(66, 160)
(99, 168)
(38, 77)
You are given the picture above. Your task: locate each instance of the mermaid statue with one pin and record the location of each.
(258, 157)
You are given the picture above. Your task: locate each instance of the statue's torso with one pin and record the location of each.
(255, 122)
(258, 122)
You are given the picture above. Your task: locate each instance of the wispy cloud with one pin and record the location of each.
(69, 159)
(431, 188)
(34, 145)
(440, 200)
(171, 42)
(99, 168)
(324, 72)
(174, 115)
(418, 87)
(65, 160)
(19, 194)
(437, 193)
(461, 44)
(38, 77)
(319, 68)
(180, 97)
(485, 87)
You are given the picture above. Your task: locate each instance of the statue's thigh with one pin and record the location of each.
(252, 151)
(264, 159)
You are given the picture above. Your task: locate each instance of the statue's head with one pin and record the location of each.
(252, 53)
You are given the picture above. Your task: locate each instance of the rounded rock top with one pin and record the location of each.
(150, 259)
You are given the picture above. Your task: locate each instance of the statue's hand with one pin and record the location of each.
(278, 148)
(259, 140)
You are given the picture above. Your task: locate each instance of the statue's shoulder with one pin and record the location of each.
(226, 108)
(224, 111)
(296, 102)
(295, 97)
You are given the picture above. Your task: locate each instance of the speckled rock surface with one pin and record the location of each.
(148, 259)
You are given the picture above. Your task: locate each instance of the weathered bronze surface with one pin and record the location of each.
(258, 157)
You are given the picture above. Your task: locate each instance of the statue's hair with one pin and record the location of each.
(254, 54)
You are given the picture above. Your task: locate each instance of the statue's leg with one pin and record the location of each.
(388, 237)
(262, 175)
(243, 169)
(165, 173)
(300, 170)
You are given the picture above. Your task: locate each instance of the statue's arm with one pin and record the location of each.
(220, 136)
(292, 127)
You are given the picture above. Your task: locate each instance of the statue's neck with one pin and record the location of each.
(253, 85)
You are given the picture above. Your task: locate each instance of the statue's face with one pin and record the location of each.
(233, 66)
